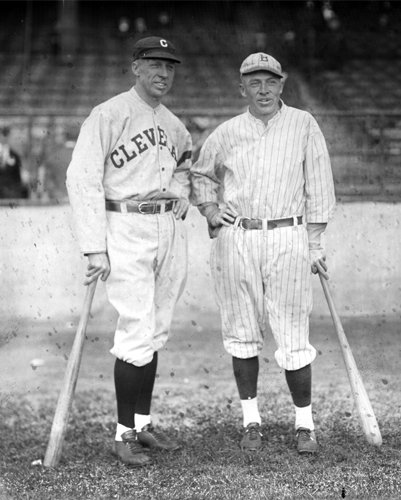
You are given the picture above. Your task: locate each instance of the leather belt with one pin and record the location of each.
(246, 223)
(140, 207)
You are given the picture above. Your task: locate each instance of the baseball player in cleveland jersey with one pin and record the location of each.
(272, 166)
(128, 184)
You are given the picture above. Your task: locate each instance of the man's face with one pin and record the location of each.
(262, 90)
(154, 78)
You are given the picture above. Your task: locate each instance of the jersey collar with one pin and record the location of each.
(138, 99)
(275, 118)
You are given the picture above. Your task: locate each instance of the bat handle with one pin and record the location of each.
(327, 293)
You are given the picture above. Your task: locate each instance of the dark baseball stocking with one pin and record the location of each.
(145, 396)
(128, 380)
(300, 385)
(246, 373)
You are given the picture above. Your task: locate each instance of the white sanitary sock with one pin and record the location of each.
(120, 430)
(250, 411)
(303, 417)
(141, 421)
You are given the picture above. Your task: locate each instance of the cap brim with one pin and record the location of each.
(254, 70)
(160, 54)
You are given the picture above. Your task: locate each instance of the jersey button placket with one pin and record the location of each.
(159, 148)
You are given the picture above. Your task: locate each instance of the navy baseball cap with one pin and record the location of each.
(154, 47)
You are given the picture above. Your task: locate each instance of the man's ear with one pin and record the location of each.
(283, 80)
(134, 68)
(242, 90)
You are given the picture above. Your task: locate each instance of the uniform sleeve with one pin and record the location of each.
(181, 176)
(85, 182)
(319, 185)
(204, 173)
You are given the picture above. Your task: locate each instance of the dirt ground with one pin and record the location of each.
(194, 361)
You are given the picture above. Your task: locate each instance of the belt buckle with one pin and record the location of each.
(241, 222)
(147, 204)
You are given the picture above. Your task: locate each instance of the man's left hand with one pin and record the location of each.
(318, 262)
(181, 208)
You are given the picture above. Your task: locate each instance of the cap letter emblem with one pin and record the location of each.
(163, 43)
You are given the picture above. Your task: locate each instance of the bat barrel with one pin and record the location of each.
(365, 411)
(60, 420)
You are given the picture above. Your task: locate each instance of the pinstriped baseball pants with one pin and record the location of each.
(148, 260)
(260, 276)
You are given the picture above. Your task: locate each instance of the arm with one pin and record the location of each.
(320, 197)
(205, 186)
(181, 177)
(85, 183)
(316, 248)
(204, 179)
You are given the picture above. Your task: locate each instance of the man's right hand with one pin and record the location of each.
(98, 266)
(217, 217)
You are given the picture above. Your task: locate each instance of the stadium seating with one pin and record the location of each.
(365, 83)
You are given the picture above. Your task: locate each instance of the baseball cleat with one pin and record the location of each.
(306, 441)
(130, 451)
(156, 440)
(252, 438)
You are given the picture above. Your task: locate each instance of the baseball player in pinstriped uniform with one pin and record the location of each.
(128, 184)
(272, 166)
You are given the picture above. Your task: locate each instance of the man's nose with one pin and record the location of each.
(264, 88)
(163, 71)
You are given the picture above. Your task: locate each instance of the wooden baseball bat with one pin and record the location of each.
(365, 411)
(64, 402)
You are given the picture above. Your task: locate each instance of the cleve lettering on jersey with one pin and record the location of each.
(140, 143)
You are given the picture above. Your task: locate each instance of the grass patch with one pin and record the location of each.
(209, 464)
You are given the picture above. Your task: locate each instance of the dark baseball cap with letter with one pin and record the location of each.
(154, 47)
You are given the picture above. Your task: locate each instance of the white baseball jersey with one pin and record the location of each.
(128, 150)
(125, 150)
(267, 172)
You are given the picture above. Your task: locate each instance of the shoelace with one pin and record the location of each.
(253, 433)
(134, 445)
(156, 434)
(304, 434)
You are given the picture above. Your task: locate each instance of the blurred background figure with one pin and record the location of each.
(140, 26)
(57, 156)
(11, 185)
(123, 31)
(335, 48)
(164, 19)
(123, 26)
(260, 41)
(55, 46)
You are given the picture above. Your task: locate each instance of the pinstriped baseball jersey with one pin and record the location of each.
(274, 171)
(125, 150)
(269, 172)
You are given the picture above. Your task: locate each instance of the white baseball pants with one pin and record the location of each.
(148, 259)
(264, 275)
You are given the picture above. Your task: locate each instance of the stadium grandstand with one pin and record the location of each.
(343, 58)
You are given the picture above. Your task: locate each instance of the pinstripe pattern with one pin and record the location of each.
(260, 276)
(268, 172)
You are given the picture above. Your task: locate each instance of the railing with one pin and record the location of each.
(365, 146)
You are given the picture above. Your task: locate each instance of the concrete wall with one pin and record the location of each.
(42, 271)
